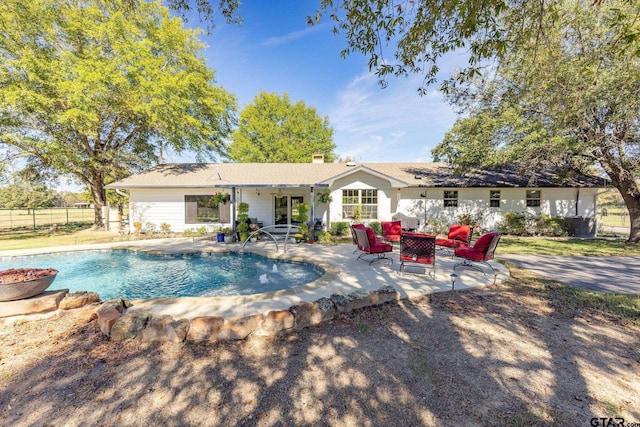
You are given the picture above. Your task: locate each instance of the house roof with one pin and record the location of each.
(225, 175)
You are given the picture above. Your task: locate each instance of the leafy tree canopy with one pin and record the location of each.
(23, 194)
(89, 89)
(273, 129)
(570, 100)
(411, 37)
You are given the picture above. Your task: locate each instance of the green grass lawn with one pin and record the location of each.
(65, 236)
(565, 246)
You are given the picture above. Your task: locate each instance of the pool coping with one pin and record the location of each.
(343, 274)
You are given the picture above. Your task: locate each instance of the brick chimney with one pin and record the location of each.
(317, 157)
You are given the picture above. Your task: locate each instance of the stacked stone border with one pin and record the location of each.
(120, 325)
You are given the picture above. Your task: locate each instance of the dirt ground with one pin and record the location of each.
(505, 355)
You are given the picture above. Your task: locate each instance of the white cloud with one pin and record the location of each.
(391, 124)
(293, 35)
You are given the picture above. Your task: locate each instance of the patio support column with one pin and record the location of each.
(233, 209)
(313, 208)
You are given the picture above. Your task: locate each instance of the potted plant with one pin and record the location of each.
(325, 197)
(303, 219)
(243, 221)
(220, 234)
(228, 235)
(221, 198)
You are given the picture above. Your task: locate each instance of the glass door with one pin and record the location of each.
(295, 202)
(286, 209)
(280, 212)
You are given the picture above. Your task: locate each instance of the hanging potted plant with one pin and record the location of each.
(325, 197)
(221, 198)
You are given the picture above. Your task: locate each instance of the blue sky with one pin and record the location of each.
(276, 51)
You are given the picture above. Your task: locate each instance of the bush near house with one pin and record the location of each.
(520, 224)
(340, 228)
(376, 227)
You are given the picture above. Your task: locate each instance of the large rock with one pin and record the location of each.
(46, 301)
(129, 325)
(313, 313)
(78, 299)
(384, 294)
(106, 318)
(205, 328)
(165, 328)
(361, 299)
(343, 303)
(115, 303)
(238, 328)
(275, 321)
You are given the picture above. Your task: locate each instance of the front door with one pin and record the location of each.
(286, 209)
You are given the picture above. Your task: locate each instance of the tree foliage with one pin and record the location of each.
(273, 129)
(413, 37)
(26, 195)
(570, 100)
(90, 88)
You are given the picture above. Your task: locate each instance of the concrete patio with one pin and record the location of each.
(344, 273)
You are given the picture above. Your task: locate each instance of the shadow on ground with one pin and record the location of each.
(504, 355)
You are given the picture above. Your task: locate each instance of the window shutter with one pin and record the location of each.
(225, 212)
(191, 209)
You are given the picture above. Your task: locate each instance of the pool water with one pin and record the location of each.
(135, 275)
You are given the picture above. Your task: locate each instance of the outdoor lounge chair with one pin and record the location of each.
(481, 252)
(418, 248)
(391, 230)
(369, 245)
(459, 235)
(353, 228)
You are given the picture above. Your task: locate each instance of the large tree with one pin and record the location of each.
(273, 129)
(570, 100)
(92, 88)
(22, 194)
(414, 36)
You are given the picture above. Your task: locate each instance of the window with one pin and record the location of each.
(451, 199)
(360, 204)
(533, 198)
(201, 209)
(494, 198)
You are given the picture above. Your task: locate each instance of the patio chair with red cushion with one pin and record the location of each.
(459, 235)
(391, 230)
(418, 248)
(353, 228)
(369, 245)
(481, 252)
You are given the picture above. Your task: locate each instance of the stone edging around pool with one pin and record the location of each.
(116, 321)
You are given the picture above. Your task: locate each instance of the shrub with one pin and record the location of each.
(519, 224)
(150, 228)
(513, 223)
(189, 232)
(376, 227)
(340, 228)
(201, 231)
(137, 225)
(323, 237)
(546, 225)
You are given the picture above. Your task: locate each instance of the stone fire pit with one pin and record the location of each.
(20, 283)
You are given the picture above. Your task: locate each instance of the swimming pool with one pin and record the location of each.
(137, 275)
